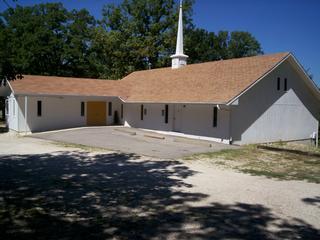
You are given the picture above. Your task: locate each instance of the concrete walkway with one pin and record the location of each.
(130, 140)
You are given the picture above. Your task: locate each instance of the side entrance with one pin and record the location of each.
(96, 113)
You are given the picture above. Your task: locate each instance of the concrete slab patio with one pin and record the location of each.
(130, 140)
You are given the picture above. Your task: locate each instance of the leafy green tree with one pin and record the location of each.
(37, 37)
(243, 44)
(7, 69)
(142, 32)
(46, 39)
(77, 46)
(202, 46)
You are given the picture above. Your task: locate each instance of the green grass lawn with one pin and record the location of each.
(282, 161)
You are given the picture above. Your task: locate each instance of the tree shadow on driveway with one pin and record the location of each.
(77, 195)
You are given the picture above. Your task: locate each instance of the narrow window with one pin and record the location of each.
(145, 111)
(285, 84)
(278, 84)
(162, 112)
(7, 107)
(39, 108)
(215, 116)
(166, 115)
(82, 109)
(110, 108)
(13, 107)
(121, 111)
(141, 112)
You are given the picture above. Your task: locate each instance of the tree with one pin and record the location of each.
(141, 34)
(202, 46)
(243, 44)
(46, 39)
(37, 37)
(78, 43)
(7, 69)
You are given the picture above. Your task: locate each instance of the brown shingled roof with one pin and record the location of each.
(211, 82)
(49, 85)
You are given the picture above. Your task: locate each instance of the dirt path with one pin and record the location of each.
(70, 193)
(288, 199)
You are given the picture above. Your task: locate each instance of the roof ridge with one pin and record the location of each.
(62, 77)
(215, 61)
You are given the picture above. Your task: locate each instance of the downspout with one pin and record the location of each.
(317, 137)
(25, 113)
(230, 125)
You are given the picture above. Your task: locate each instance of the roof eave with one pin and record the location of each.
(62, 95)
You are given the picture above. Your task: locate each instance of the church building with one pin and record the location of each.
(248, 100)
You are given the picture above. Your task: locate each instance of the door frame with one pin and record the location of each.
(177, 117)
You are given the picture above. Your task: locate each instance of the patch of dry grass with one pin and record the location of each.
(281, 161)
(80, 146)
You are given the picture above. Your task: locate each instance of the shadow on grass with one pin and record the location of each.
(294, 151)
(75, 195)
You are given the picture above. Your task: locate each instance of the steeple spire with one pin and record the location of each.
(179, 59)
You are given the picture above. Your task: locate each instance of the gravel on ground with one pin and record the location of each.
(50, 191)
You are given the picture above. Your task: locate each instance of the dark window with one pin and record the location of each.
(162, 112)
(166, 115)
(215, 116)
(82, 109)
(7, 107)
(121, 110)
(110, 108)
(145, 111)
(279, 82)
(285, 84)
(141, 112)
(39, 108)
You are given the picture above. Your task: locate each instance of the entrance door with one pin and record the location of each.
(177, 118)
(96, 113)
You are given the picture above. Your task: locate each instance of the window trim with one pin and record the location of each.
(215, 117)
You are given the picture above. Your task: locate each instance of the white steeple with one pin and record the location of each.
(179, 59)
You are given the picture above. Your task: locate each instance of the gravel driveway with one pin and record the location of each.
(50, 192)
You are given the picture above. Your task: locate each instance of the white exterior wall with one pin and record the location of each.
(193, 119)
(152, 120)
(57, 113)
(265, 114)
(12, 117)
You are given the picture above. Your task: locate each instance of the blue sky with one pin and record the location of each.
(279, 25)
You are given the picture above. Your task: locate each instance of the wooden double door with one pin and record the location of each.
(96, 113)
